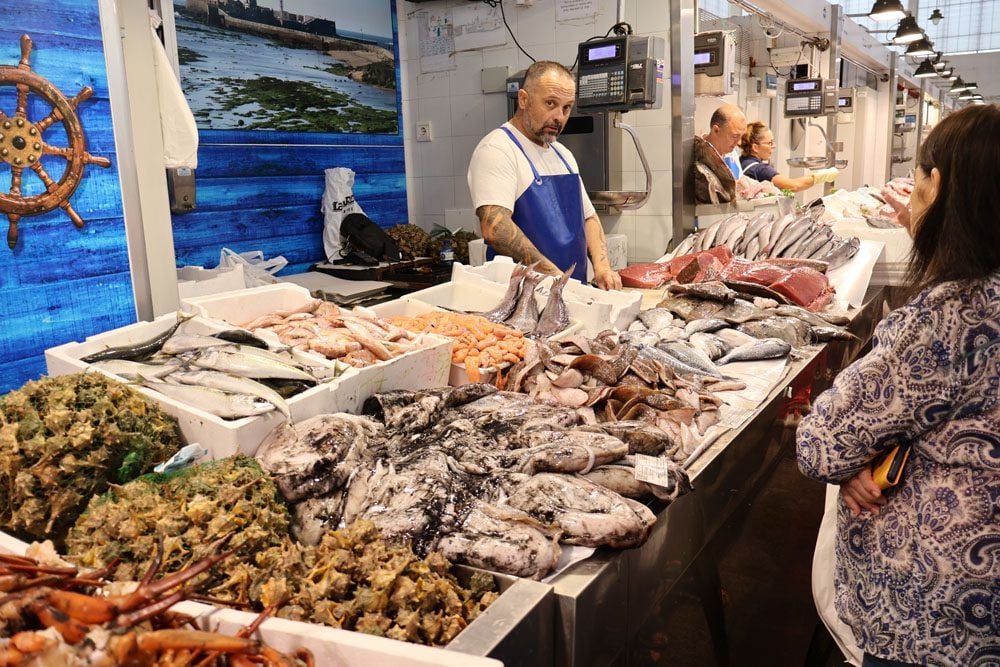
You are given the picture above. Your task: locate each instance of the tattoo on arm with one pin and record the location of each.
(506, 238)
(597, 245)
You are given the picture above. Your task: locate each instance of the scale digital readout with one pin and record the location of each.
(810, 97)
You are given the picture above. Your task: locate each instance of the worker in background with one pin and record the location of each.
(526, 186)
(757, 146)
(728, 124)
(917, 572)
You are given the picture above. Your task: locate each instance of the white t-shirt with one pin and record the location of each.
(499, 173)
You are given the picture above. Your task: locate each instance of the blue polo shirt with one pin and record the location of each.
(757, 170)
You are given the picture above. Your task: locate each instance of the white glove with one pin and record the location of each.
(828, 175)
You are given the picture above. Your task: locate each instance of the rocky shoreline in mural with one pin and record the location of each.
(263, 77)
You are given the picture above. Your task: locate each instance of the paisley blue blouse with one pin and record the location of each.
(920, 581)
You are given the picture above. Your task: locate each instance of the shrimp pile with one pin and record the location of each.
(479, 343)
(355, 337)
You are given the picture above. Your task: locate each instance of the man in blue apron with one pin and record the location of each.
(526, 187)
(728, 126)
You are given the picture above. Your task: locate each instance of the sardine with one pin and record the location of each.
(768, 348)
(213, 401)
(554, 317)
(233, 384)
(248, 365)
(138, 351)
(525, 315)
(506, 306)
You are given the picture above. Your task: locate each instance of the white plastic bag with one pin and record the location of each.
(257, 271)
(338, 201)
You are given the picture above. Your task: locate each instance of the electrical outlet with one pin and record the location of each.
(424, 131)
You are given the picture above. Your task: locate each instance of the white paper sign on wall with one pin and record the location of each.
(575, 9)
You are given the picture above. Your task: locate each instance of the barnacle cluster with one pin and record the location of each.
(64, 439)
(352, 579)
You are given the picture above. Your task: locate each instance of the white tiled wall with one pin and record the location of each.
(460, 114)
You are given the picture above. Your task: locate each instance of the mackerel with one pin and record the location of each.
(135, 370)
(248, 365)
(181, 343)
(234, 384)
(218, 403)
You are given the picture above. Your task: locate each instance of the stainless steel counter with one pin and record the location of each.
(602, 602)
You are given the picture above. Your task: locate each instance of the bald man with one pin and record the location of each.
(526, 186)
(728, 125)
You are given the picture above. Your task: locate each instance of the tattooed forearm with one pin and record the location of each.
(597, 245)
(506, 238)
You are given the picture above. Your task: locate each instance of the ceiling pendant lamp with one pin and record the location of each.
(908, 31)
(887, 10)
(925, 70)
(972, 85)
(957, 87)
(921, 47)
(946, 72)
(936, 16)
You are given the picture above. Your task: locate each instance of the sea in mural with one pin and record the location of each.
(244, 72)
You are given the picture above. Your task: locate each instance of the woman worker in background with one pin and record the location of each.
(918, 566)
(757, 146)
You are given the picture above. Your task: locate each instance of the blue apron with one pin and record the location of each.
(550, 213)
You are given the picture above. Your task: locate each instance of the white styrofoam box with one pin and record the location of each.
(418, 369)
(195, 281)
(477, 252)
(222, 437)
(11, 545)
(331, 646)
(595, 309)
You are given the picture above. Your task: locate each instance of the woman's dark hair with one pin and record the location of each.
(753, 135)
(958, 235)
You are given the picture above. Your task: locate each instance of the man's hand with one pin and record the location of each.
(608, 279)
(861, 493)
(506, 238)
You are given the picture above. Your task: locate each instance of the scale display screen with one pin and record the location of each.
(603, 52)
(804, 86)
(703, 57)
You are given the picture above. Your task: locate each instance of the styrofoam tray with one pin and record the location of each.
(222, 437)
(595, 309)
(417, 369)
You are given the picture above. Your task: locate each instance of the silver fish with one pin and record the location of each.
(213, 401)
(768, 348)
(672, 362)
(233, 384)
(789, 329)
(554, 317)
(135, 370)
(525, 315)
(713, 346)
(141, 350)
(506, 306)
(842, 253)
(248, 365)
(181, 343)
(656, 318)
(706, 324)
(692, 357)
(792, 233)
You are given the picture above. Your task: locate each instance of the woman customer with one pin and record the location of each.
(918, 565)
(757, 146)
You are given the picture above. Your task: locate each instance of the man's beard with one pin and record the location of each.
(541, 135)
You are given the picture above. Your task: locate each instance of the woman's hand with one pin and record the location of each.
(861, 493)
(902, 210)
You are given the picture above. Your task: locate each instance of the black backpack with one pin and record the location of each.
(358, 232)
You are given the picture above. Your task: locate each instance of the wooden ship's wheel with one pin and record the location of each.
(22, 146)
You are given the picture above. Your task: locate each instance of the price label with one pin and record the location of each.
(654, 470)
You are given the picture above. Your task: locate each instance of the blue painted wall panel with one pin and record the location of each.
(60, 283)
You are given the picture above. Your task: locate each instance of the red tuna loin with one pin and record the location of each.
(646, 276)
(805, 287)
(759, 273)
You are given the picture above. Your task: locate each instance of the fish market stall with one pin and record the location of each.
(603, 602)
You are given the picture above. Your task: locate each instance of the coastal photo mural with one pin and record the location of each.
(289, 65)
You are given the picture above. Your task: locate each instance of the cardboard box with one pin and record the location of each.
(418, 369)
(222, 437)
